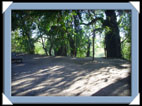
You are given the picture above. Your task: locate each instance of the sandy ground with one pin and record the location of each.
(66, 76)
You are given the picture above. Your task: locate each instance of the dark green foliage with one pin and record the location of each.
(70, 32)
(125, 28)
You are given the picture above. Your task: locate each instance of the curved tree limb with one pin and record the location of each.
(124, 39)
(93, 21)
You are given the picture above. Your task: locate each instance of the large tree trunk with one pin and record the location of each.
(72, 45)
(50, 49)
(45, 49)
(30, 43)
(77, 30)
(112, 38)
(51, 46)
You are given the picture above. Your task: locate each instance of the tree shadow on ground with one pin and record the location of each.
(51, 75)
(119, 88)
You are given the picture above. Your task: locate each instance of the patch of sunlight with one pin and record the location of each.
(61, 83)
(23, 85)
(36, 58)
(59, 56)
(21, 81)
(112, 70)
(98, 85)
(46, 56)
(125, 65)
(80, 83)
(48, 70)
(81, 73)
(78, 78)
(47, 82)
(74, 72)
(57, 79)
(73, 58)
(40, 74)
(50, 81)
(99, 76)
(31, 90)
(55, 68)
(71, 92)
(13, 91)
(37, 88)
(124, 74)
(91, 79)
(41, 71)
(51, 92)
(25, 76)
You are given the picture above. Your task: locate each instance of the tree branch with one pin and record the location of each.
(98, 29)
(93, 21)
(124, 39)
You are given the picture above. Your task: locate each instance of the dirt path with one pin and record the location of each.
(66, 76)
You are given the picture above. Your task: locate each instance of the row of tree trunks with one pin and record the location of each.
(112, 39)
(61, 52)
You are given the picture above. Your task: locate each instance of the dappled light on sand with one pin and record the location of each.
(64, 76)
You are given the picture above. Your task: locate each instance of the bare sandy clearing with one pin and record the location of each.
(66, 76)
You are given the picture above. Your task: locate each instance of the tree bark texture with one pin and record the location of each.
(112, 37)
